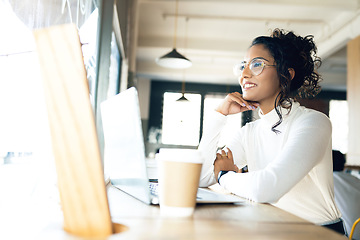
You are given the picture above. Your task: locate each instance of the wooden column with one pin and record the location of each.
(73, 133)
(353, 97)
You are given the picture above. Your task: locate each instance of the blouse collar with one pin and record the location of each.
(272, 117)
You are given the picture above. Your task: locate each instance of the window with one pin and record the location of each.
(25, 145)
(339, 114)
(181, 119)
(163, 127)
(233, 121)
(24, 127)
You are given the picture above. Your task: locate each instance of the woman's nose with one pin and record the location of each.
(247, 72)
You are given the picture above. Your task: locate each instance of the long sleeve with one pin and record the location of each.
(208, 147)
(306, 141)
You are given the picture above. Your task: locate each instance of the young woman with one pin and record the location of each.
(288, 150)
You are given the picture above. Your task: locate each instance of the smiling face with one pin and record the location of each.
(264, 87)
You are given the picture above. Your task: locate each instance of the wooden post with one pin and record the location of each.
(73, 132)
(353, 98)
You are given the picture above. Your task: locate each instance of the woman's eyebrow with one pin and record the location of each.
(255, 58)
(259, 58)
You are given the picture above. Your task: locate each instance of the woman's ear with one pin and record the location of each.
(292, 73)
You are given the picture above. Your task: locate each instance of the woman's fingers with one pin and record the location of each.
(235, 103)
(237, 97)
(236, 168)
(224, 161)
(229, 154)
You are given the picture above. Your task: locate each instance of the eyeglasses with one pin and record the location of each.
(256, 66)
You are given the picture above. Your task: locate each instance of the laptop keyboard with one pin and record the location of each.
(154, 188)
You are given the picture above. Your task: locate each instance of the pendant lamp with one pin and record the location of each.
(182, 98)
(174, 59)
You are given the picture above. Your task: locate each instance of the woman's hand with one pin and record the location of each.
(235, 103)
(224, 162)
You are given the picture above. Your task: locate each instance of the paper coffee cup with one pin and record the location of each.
(179, 174)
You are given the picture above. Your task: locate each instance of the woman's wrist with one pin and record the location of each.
(221, 112)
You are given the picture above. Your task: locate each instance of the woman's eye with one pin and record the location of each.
(257, 64)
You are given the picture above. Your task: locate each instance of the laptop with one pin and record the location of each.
(124, 152)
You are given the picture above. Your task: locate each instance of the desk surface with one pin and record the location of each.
(247, 220)
(40, 218)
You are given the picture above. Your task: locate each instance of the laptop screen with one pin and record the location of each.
(124, 152)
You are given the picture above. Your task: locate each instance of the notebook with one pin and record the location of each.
(124, 151)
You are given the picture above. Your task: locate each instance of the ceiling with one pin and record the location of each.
(214, 35)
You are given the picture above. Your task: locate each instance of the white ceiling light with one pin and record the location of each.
(174, 59)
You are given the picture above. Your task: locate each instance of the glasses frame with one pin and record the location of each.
(239, 73)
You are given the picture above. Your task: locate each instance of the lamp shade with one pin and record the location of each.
(174, 59)
(182, 99)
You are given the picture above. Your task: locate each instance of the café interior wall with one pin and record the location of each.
(320, 103)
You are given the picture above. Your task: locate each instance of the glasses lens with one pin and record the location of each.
(238, 69)
(257, 66)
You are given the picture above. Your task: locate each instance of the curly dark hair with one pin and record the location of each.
(299, 53)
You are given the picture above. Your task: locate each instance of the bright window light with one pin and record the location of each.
(233, 121)
(181, 120)
(339, 116)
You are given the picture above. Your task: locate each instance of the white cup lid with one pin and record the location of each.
(180, 155)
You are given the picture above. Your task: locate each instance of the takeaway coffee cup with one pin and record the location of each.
(179, 174)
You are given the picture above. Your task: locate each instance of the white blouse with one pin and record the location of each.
(291, 170)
